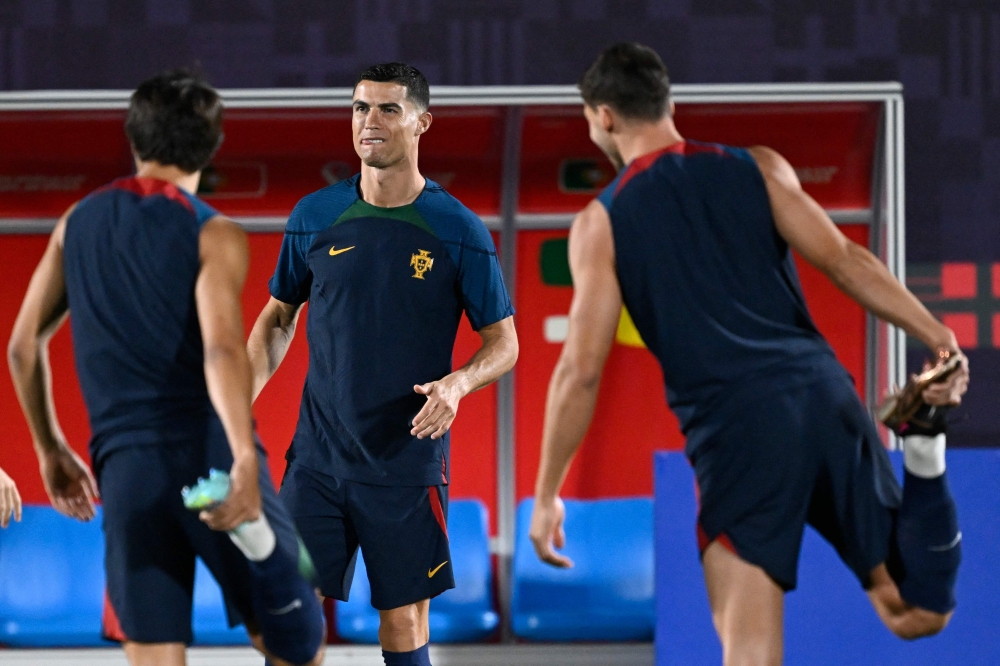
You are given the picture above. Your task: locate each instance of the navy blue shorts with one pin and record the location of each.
(402, 531)
(806, 455)
(152, 540)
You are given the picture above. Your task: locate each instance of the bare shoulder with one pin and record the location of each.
(220, 229)
(590, 238)
(774, 167)
(593, 219)
(59, 233)
(221, 237)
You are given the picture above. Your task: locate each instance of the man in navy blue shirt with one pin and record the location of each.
(695, 240)
(387, 261)
(152, 276)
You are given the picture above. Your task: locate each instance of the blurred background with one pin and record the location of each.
(945, 52)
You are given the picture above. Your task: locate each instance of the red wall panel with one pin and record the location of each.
(276, 410)
(273, 157)
(830, 145)
(269, 160)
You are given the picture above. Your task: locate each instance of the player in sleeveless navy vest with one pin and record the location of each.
(152, 276)
(695, 240)
(388, 262)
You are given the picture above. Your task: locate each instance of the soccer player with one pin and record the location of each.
(153, 276)
(387, 261)
(10, 500)
(695, 239)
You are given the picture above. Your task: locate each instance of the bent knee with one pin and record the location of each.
(302, 659)
(917, 623)
(399, 623)
(317, 660)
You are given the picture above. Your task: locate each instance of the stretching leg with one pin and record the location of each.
(914, 591)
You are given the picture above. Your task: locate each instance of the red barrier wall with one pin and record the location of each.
(276, 410)
(272, 157)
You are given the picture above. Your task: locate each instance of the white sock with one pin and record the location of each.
(255, 538)
(923, 455)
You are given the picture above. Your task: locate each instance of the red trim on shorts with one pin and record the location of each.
(111, 628)
(147, 187)
(444, 471)
(703, 539)
(685, 148)
(437, 509)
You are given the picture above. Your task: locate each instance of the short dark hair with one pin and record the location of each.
(175, 118)
(417, 90)
(631, 79)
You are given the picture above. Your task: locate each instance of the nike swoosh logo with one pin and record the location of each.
(941, 549)
(334, 251)
(286, 609)
(431, 572)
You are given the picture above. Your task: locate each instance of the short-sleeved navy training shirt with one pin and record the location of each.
(386, 289)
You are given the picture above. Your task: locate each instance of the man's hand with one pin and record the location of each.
(10, 501)
(547, 531)
(440, 409)
(950, 391)
(69, 483)
(243, 503)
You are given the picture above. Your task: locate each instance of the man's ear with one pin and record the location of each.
(671, 108)
(424, 122)
(605, 117)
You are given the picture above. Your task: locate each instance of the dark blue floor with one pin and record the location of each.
(828, 619)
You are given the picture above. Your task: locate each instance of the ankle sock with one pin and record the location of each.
(419, 657)
(923, 455)
(255, 538)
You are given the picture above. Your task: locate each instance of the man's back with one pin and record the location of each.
(710, 284)
(131, 259)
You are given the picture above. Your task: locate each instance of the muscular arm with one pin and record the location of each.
(495, 358)
(224, 259)
(855, 270)
(68, 482)
(269, 341)
(593, 319)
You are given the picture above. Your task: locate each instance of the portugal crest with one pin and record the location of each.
(421, 263)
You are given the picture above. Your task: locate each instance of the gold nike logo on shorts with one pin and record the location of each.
(431, 572)
(334, 251)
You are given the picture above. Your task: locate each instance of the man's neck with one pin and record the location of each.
(170, 173)
(394, 186)
(644, 138)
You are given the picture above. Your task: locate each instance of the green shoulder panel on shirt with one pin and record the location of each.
(407, 213)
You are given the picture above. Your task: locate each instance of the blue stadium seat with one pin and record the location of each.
(608, 594)
(461, 615)
(208, 617)
(52, 586)
(51, 581)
